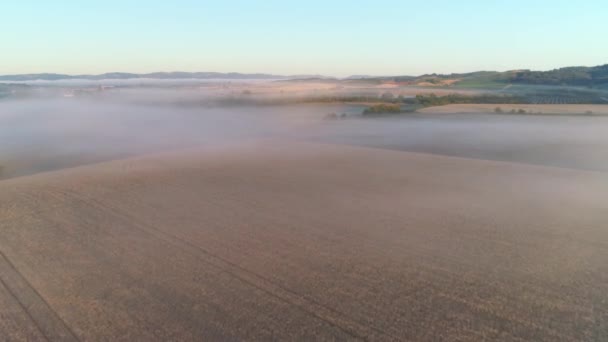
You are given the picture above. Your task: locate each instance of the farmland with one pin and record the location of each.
(431, 252)
(242, 213)
(276, 171)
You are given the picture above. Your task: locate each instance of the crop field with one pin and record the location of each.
(557, 94)
(564, 99)
(260, 221)
(508, 109)
(304, 242)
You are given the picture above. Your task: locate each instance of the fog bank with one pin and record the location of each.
(43, 133)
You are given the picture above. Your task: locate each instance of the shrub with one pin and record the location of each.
(498, 110)
(434, 100)
(382, 109)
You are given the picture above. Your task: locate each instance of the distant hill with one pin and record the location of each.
(580, 76)
(572, 76)
(154, 75)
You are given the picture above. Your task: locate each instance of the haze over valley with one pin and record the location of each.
(391, 171)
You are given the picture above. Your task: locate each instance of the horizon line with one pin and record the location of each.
(280, 75)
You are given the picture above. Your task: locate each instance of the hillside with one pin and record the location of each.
(572, 76)
(579, 76)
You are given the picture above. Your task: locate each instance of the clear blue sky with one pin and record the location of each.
(295, 37)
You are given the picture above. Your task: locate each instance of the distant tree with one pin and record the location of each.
(577, 76)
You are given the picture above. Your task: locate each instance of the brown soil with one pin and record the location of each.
(276, 241)
(531, 109)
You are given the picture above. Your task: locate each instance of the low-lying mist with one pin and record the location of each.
(569, 141)
(43, 132)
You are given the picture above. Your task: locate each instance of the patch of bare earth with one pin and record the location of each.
(529, 108)
(305, 242)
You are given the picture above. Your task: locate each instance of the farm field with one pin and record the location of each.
(547, 108)
(206, 171)
(302, 220)
(301, 241)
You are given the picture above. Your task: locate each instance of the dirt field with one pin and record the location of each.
(304, 242)
(536, 108)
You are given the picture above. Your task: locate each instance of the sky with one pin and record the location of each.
(336, 38)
